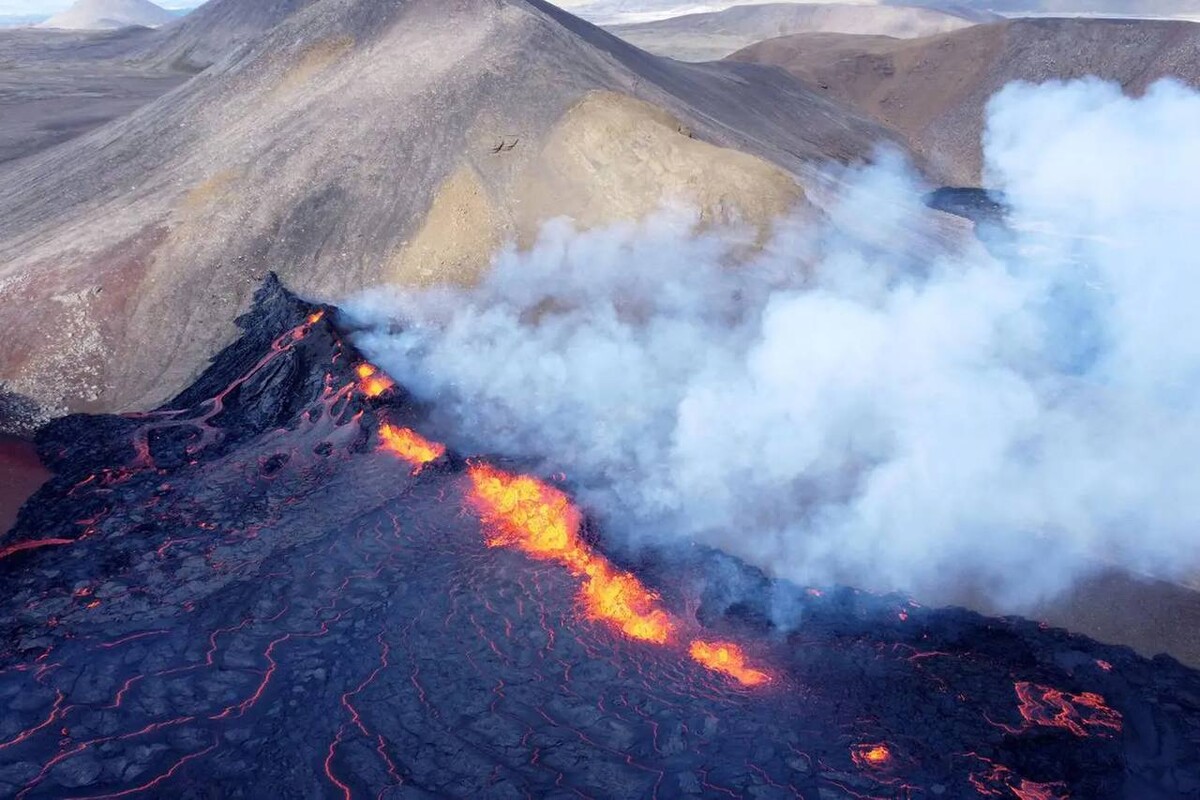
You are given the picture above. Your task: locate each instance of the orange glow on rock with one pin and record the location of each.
(371, 381)
(1083, 714)
(621, 599)
(522, 512)
(876, 755)
(728, 659)
(525, 513)
(315, 317)
(997, 780)
(410, 445)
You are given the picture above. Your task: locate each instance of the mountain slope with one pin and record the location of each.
(61, 84)
(109, 15)
(706, 37)
(933, 90)
(218, 28)
(364, 142)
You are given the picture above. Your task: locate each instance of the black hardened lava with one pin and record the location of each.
(240, 595)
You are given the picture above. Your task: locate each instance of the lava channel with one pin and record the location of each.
(523, 512)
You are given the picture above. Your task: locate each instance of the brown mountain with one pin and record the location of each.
(933, 91)
(709, 36)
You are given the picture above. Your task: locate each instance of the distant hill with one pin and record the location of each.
(933, 91)
(103, 15)
(1144, 9)
(709, 36)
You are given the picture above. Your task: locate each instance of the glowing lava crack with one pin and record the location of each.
(523, 512)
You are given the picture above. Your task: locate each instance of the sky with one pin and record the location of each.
(48, 7)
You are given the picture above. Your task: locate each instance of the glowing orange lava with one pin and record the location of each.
(525, 513)
(521, 511)
(1083, 714)
(315, 317)
(728, 659)
(1032, 790)
(997, 780)
(371, 381)
(871, 755)
(410, 445)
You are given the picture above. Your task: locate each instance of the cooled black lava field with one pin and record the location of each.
(275, 587)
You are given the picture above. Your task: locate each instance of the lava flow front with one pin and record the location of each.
(410, 446)
(728, 659)
(523, 512)
(371, 381)
(273, 586)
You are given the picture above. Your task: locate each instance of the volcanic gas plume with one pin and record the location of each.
(279, 585)
(858, 400)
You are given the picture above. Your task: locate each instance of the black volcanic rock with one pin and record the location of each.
(975, 204)
(240, 595)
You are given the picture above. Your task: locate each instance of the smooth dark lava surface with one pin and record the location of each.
(239, 595)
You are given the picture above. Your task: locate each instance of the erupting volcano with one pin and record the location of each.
(281, 584)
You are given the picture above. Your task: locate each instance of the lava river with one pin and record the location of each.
(282, 584)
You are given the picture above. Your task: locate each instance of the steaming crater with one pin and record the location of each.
(260, 589)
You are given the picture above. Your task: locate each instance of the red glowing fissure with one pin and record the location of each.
(997, 780)
(1085, 714)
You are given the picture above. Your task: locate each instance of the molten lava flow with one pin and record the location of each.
(525, 513)
(871, 756)
(371, 381)
(410, 445)
(997, 780)
(19, 547)
(728, 659)
(621, 599)
(1082, 714)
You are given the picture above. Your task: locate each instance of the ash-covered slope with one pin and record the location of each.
(102, 15)
(217, 29)
(57, 85)
(713, 35)
(272, 586)
(933, 91)
(363, 142)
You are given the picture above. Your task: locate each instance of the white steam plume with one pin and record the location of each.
(837, 410)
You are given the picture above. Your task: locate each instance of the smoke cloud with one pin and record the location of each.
(850, 403)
